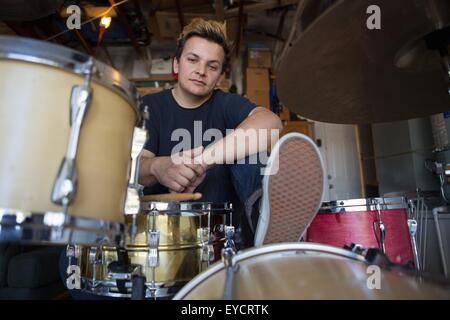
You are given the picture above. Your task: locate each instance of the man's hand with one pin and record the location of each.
(179, 173)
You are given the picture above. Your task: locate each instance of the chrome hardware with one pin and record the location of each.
(412, 226)
(229, 235)
(94, 252)
(379, 222)
(231, 267)
(64, 189)
(73, 251)
(133, 229)
(153, 242)
(436, 212)
(57, 228)
(134, 188)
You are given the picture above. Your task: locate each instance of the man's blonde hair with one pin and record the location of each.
(210, 30)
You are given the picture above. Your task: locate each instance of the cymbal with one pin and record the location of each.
(339, 71)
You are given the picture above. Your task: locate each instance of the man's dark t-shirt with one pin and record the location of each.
(221, 111)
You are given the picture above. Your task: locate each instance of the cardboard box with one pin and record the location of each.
(285, 114)
(302, 126)
(259, 58)
(149, 90)
(224, 84)
(257, 86)
(168, 24)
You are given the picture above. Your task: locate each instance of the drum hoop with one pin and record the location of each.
(56, 222)
(273, 248)
(103, 288)
(40, 52)
(195, 207)
(364, 204)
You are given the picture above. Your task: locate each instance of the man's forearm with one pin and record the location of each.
(257, 133)
(146, 177)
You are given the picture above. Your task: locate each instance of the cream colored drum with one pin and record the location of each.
(66, 130)
(305, 271)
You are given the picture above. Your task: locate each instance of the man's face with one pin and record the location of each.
(200, 66)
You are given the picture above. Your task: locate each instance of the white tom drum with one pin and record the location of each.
(66, 130)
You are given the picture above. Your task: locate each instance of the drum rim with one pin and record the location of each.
(162, 288)
(272, 248)
(362, 204)
(58, 56)
(195, 207)
(81, 230)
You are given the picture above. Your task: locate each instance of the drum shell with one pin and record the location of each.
(182, 248)
(175, 230)
(175, 265)
(294, 271)
(341, 226)
(34, 134)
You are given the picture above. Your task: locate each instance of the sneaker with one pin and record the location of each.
(293, 188)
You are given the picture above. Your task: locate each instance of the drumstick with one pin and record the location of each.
(169, 197)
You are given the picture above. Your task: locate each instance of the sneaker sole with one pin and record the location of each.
(295, 191)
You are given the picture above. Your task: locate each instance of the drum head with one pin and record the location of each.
(307, 271)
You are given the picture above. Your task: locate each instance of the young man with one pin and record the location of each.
(194, 117)
(182, 156)
(194, 106)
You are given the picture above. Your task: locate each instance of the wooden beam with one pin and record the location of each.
(180, 14)
(240, 27)
(220, 13)
(23, 29)
(280, 28)
(108, 56)
(125, 24)
(266, 5)
(86, 46)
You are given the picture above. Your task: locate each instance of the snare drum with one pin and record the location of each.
(362, 221)
(306, 271)
(219, 216)
(64, 176)
(170, 241)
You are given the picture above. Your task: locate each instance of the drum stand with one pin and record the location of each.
(228, 254)
(436, 211)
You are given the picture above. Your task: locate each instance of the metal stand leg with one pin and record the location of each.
(439, 236)
(412, 225)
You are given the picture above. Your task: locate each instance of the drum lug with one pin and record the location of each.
(134, 188)
(153, 242)
(73, 251)
(64, 188)
(94, 261)
(229, 234)
(381, 227)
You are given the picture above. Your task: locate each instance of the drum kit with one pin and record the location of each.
(70, 142)
(69, 176)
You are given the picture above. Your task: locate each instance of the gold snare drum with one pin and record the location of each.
(169, 241)
(65, 154)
